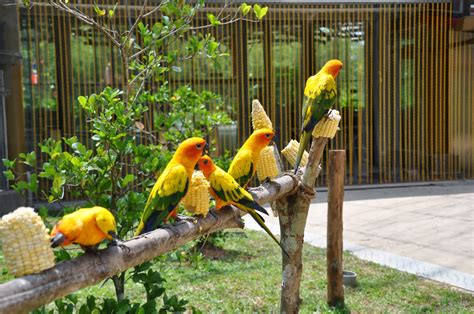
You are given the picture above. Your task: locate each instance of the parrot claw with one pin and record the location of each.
(120, 244)
(186, 218)
(91, 249)
(117, 242)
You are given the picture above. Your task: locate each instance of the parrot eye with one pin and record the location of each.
(205, 161)
(267, 135)
(198, 146)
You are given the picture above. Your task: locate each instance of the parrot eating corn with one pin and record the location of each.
(244, 164)
(172, 185)
(225, 189)
(87, 227)
(320, 92)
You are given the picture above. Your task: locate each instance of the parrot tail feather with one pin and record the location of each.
(261, 223)
(57, 240)
(304, 141)
(155, 220)
(254, 205)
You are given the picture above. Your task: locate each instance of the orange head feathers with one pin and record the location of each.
(333, 67)
(259, 139)
(189, 151)
(206, 165)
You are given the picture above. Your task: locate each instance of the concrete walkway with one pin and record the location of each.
(426, 229)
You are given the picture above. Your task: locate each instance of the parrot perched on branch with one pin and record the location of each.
(86, 227)
(320, 92)
(244, 164)
(172, 185)
(226, 190)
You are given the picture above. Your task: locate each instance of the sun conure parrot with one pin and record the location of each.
(86, 227)
(172, 185)
(244, 164)
(320, 92)
(226, 190)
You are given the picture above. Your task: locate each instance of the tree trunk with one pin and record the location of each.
(293, 212)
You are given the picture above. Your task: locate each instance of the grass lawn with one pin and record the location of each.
(246, 278)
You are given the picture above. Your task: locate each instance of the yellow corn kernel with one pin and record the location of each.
(328, 126)
(25, 242)
(260, 118)
(197, 199)
(267, 165)
(291, 151)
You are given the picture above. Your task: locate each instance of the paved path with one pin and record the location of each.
(426, 230)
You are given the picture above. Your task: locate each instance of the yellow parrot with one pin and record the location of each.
(172, 185)
(86, 227)
(244, 164)
(320, 92)
(226, 190)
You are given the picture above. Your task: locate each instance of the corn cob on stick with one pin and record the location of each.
(197, 199)
(260, 118)
(328, 127)
(291, 151)
(267, 166)
(25, 242)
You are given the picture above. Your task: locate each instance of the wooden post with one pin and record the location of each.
(334, 230)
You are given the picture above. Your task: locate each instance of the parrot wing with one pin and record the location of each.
(320, 99)
(166, 194)
(242, 167)
(228, 190)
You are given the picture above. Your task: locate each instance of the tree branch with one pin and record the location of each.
(29, 292)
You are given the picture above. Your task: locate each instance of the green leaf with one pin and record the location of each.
(259, 11)
(212, 47)
(30, 159)
(245, 8)
(43, 212)
(82, 100)
(127, 179)
(33, 185)
(99, 11)
(8, 163)
(9, 175)
(213, 20)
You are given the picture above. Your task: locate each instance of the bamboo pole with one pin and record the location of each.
(292, 213)
(27, 293)
(337, 160)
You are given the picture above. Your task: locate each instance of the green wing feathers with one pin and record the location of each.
(165, 195)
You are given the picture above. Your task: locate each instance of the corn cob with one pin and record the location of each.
(25, 242)
(267, 166)
(260, 119)
(328, 127)
(291, 151)
(197, 199)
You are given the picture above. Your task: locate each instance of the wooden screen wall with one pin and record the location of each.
(405, 92)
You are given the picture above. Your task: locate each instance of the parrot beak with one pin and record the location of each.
(57, 240)
(113, 235)
(205, 151)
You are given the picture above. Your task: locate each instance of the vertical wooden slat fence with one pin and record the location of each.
(405, 93)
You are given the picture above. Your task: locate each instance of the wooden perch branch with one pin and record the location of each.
(29, 292)
(293, 212)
